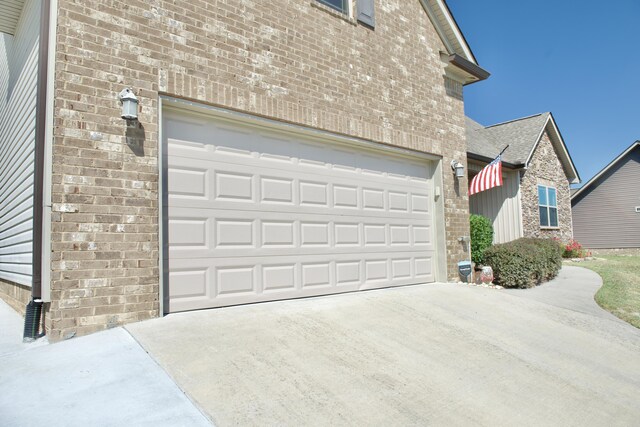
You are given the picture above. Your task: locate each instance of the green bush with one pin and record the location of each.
(524, 263)
(481, 236)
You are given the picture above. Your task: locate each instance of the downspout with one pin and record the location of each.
(34, 308)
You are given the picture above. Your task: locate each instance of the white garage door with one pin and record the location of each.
(256, 214)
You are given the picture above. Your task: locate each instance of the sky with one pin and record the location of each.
(578, 59)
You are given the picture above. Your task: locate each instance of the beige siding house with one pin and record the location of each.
(534, 200)
(281, 149)
(606, 210)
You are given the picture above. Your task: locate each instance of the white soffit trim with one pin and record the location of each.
(448, 29)
(606, 168)
(565, 157)
(10, 11)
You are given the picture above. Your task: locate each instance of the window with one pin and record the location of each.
(340, 5)
(548, 206)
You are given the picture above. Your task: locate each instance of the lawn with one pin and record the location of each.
(620, 293)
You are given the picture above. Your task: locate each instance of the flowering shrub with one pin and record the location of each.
(573, 249)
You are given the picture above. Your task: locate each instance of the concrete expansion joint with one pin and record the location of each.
(177, 384)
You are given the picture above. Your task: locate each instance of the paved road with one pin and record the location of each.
(422, 355)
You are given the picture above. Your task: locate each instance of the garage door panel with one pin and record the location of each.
(299, 209)
(256, 216)
(238, 144)
(240, 183)
(299, 168)
(317, 250)
(250, 233)
(302, 214)
(227, 281)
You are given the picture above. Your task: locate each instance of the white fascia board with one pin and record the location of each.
(466, 50)
(566, 158)
(565, 151)
(458, 45)
(436, 23)
(605, 169)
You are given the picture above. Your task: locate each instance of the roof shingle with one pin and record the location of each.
(520, 135)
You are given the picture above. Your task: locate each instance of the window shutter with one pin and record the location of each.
(366, 13)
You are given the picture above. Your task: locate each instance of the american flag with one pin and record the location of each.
(490, 176)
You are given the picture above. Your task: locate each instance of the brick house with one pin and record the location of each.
(535, 198)
(280, 151)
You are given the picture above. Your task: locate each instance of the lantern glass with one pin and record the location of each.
(129, 109)
(129, 104)
(458, 168)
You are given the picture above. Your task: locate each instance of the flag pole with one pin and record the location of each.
(505, 149)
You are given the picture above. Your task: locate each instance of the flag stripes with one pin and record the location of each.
(490, 176)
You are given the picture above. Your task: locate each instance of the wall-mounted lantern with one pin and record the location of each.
(458, 168)
(129, 104)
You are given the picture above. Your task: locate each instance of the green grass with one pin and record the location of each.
(620, 293)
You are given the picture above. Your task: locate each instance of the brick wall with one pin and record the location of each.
(546, 169)
(17, 296)
(293, 61)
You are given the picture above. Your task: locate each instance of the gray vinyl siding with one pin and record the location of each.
(604, 215)
(501, 205)
(18, 85)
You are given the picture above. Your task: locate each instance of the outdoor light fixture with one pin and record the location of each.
(458, 168)
(129, 104)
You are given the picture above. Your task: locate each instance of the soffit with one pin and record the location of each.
(10, 11)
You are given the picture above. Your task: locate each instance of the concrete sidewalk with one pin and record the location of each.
(105, 379)
(436, 354)
(573, 289)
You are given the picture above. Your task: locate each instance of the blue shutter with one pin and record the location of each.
(366, 13)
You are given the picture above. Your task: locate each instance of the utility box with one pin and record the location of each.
(464, 269)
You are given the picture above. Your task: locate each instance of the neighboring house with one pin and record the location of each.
(534, 200)
(606, 210)
(282, 149)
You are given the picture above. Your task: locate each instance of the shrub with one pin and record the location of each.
(524, 263)
(573, 249)
(481, 236)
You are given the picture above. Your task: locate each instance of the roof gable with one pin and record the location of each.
(448, 29)
(624, 154)
(522, 136)
(461, 62)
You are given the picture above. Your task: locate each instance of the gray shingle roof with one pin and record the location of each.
(521, 135)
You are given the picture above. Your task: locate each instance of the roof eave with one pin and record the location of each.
(605, 169)
(471, 72)
(11, 12)
(486, 159)
(447, 28)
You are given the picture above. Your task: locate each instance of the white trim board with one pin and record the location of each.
(605, 169)
(448, 29)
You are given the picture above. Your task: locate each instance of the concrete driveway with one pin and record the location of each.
(421, 355)
(104, 379)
